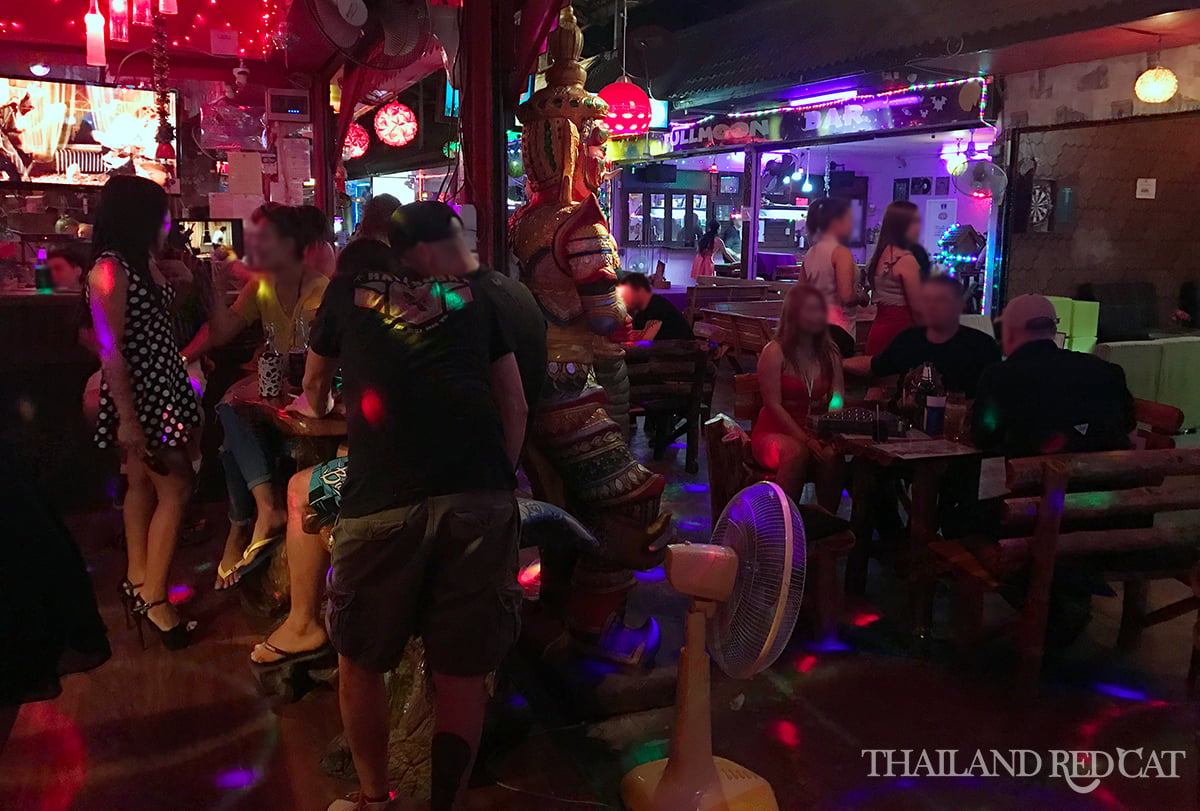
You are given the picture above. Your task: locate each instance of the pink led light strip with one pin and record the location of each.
(983, 98)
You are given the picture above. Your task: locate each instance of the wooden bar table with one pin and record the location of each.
(924, 461)
(312, 440)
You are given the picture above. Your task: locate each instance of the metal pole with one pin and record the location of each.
(751, 194)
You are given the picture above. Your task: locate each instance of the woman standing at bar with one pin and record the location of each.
(148, 408)
(710, 245)
(829, 266)
(894, 276)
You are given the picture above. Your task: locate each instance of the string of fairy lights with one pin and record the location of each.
(258, 40)
(187, 27)
(857, 99)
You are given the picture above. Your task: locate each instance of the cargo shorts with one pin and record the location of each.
(444, 568)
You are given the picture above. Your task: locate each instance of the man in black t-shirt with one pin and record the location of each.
(960, 354)
(520, 320)
(427, 537)
(654, 318)
(1044, 399)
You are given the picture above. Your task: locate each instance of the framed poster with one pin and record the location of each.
(900, 189)
(941, 186)
(938, 216)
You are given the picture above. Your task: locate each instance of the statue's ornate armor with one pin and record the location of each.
(569, 261)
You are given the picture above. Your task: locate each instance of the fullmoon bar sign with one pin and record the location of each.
(920, 107)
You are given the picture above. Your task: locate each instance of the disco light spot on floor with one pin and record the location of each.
(180, 594)
(829, 645)
(236, 779)
(786, 732)
(654, 575)
(1120, 691)
(805, 664)
(201, 568)
(647, 752)
(865, 618)
(695, 488)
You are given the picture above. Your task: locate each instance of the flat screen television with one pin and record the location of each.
(202, 236)
(74, 134)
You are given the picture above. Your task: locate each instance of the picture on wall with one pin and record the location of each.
(941, 186)
(921, 185)
(900, 188)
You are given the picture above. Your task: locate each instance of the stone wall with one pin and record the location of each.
(1097, 90)
(1114, 236)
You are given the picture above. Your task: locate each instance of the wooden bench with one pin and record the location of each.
(671, 384)
(700, 297)
(731, 468)
(1063, 508)
(775, 289)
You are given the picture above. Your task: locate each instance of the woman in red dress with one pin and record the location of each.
(800, 374)
(894, 276)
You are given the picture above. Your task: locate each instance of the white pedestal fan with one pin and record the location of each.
(746, 588)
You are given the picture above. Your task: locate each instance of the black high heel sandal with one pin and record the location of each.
(128, 593)
(175, 638)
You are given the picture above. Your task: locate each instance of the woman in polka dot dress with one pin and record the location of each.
(148, 409)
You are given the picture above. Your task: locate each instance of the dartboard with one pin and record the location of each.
(1041, 203)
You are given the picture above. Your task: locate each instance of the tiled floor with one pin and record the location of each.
(155, 730)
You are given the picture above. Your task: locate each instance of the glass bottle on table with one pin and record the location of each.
(270, 366)
(297, 353)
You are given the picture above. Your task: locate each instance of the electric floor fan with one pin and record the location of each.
(746, 588)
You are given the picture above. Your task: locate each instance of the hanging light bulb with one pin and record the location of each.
(808, 186)
(93, 23)
(143, 12)
(118, 20)
(168, 6)
(1156, 86)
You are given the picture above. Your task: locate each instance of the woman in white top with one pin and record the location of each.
(829, 266)
(895, 276)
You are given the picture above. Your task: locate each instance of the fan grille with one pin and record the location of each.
(750, 630)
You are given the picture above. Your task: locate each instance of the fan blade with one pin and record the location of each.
(354, 12)
(328, 18)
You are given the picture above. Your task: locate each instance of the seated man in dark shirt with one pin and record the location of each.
(1044, 399)
(960, 354)
(654, 318)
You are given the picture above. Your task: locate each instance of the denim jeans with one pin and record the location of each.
(246, 457)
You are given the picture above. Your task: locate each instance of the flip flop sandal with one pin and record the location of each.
(255, 555)
(324, 653)
(223, 575)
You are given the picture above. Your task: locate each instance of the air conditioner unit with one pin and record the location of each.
(288, 105)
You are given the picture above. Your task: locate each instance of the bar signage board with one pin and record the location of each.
(920, 107)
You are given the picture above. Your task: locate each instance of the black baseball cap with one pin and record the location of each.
(424, 221)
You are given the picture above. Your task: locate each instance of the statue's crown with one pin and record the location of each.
(564, 95)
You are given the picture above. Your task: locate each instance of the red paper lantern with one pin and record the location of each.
(356, 143)
(395, 124)
(628, 108)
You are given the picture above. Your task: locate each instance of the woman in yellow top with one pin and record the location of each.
(287, 289)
